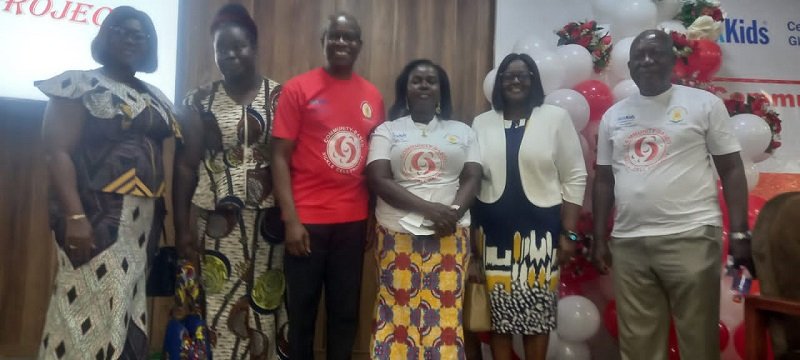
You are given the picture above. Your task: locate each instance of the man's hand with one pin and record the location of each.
(298, 243)
(739, 247)
(601, 256)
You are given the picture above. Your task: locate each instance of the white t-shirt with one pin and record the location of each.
(658, 148)
(426, 160)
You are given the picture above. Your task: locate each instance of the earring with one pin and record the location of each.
(438, 109)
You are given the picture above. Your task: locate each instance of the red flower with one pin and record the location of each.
(758, 104)
(574, 33)
(775, 144)
(737, 96)
(588, 26)
(606, 40)
(732, 105)
(585, 40)
(717, 15)
(679, 40)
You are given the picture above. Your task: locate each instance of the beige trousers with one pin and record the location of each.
(658, 276)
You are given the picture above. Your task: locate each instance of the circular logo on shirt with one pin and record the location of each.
(423, 162)
(676, 114)
(343, 149)
(366, 110)
(646, 148)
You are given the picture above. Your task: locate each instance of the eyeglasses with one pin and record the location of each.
(521, 76)
(135, 35)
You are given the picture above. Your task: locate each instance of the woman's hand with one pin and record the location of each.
(298, 243)
(79, 241)
(566, 250)
(443, 217)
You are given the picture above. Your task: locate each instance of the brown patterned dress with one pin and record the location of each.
(98, 308)
(240, 263)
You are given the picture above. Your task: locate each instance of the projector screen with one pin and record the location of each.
(43, 38)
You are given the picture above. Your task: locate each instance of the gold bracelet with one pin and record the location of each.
(76, 216)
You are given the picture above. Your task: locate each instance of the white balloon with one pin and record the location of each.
(667, 9)
(624, 89)
(578, 319)
(632, 17)
(753, 133)
(620, 54)
(603, 10)
(573, 351)
(577, 62)
(532, 44)
(751, 173)
(551, 70)
(575, 104)
(488, 84)
(672, 25)
(761, 157)
(553, 344)
(517, 346)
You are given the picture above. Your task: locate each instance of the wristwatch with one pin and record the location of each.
(740, 235)
(571, 235)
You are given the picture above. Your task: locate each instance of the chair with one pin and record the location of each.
(757, 310)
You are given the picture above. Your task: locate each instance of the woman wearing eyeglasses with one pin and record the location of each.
(103, 131)
(222, 184)
(528, 205)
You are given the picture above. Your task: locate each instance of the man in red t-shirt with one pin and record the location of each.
(319, 149)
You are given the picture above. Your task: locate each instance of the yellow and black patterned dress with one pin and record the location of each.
(241, 263)
(98, 308)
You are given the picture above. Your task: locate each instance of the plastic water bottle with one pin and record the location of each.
(742, 280)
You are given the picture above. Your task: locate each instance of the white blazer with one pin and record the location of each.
(550, 157)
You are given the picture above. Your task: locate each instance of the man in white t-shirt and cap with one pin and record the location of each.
(653, 163)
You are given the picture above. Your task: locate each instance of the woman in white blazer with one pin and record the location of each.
(531, 190)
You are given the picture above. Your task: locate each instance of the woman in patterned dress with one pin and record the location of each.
(425, 170)
(527, 209)
(222, 184)
(103, 130)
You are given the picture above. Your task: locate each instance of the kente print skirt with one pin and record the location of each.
(419, 304)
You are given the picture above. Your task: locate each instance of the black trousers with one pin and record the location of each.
(337, 253)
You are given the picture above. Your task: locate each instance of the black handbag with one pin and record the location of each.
(273, 230)
(161, 280)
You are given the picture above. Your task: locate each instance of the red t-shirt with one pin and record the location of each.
(330, 121)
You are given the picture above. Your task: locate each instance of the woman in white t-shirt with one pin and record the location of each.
(425, 170)
(528, 205)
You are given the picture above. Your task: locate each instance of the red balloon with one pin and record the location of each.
(738, 339)
(674, 353)
(724, 336)
(598, 95)
(680, 70)
(610, 319)
(567, 288)
(673, 335)
(754, 205)
(739, 343)
(705, 59)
